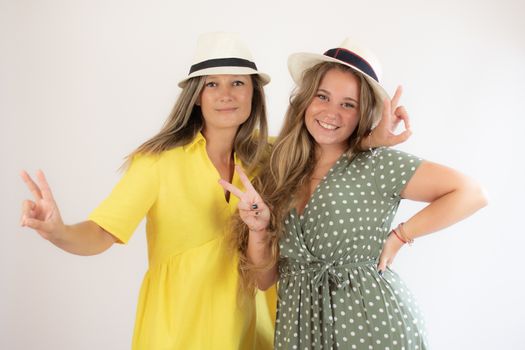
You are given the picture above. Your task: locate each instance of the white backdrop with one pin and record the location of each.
(82, 83)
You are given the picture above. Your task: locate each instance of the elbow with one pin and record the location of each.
(483, 197)
(478, 195)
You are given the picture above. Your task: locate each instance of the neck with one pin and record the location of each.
(327, 155)
(219, 144)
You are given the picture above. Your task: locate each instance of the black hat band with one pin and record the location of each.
(223, 62)
(352, 59)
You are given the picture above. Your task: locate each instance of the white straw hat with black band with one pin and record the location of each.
(222, 53)
(350, 54)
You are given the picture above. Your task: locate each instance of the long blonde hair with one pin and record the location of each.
(185, 122)
(292, 161)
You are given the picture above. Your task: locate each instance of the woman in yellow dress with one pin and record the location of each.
(189, 296)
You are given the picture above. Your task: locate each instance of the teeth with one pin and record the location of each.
(327, 126)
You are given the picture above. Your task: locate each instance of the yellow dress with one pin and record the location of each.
(189, 298)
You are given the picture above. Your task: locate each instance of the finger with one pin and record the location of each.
(400, 138)
(27, 210)
(38, 225)
(397, 96)
(381, 266)
(28, 206)
(386, 109)
(44, 186)
(33, 187)
(247, 206)
(231, 188)
(402, 114)
(245, 180)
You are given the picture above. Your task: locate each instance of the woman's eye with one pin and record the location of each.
(348, 105)
(211, 84)
(238, 83)
(322, 97)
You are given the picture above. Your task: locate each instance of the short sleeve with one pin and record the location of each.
(393, 169)
(130, 200)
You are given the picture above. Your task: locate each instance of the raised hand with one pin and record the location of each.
(252, 209)
(42, 214)
(384, 133)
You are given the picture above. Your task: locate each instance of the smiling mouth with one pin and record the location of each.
(327, 126)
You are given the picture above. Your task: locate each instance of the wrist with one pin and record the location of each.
(395, 240)
(397, 237)
(259, 236)
(366, 142)
(61, 233)
(401, 235)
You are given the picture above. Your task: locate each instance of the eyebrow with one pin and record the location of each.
(345, 98)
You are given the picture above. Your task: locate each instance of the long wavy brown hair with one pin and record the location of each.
(185, 122)
(292, 161)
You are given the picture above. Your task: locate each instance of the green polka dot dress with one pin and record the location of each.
(330, 293)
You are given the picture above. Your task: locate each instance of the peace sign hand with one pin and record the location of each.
(42, 214)
(252, 209)
(383, 134)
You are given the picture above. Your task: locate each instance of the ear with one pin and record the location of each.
(198, 102)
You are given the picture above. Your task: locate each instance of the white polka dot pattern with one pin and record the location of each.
(330, 294)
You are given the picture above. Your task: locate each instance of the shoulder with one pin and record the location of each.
(386, 160)
(150, 160)
(388, 155)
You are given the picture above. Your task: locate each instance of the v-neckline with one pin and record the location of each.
(300, 216)
(236, 161)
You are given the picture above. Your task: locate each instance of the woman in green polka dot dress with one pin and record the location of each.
(328, 238)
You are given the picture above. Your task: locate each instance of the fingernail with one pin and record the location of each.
(380, 272)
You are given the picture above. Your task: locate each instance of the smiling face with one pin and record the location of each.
(226, 100)
(333, 113)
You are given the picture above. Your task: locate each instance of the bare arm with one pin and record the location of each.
(43, 216)
(256, 215)
(259, 254)
(84, 238)
(452, 197)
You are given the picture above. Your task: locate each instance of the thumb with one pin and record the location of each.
(400, 138)
(42, 227)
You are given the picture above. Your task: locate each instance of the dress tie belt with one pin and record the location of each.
(327, 274)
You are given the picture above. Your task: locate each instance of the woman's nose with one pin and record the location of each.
(225, 93)
(332, 111)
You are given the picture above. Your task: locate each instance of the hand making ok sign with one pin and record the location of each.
(392, 115)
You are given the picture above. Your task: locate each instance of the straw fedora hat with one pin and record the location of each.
(350, 54)
(222, 53)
